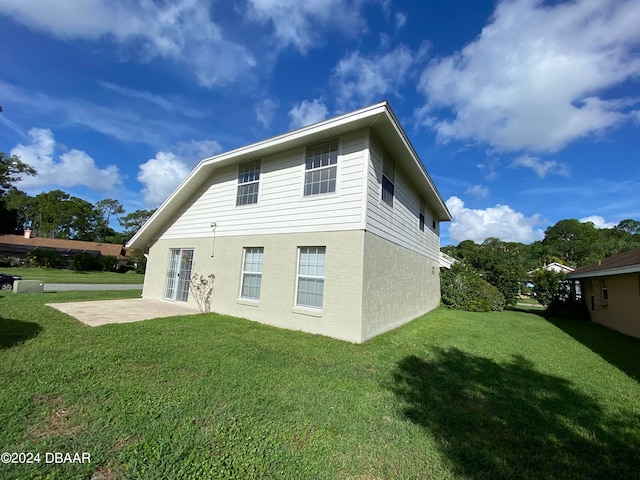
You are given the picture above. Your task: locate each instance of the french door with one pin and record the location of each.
(179, 274)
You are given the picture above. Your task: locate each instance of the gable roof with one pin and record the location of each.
(625, 262)
(379, 118)
(20, 244)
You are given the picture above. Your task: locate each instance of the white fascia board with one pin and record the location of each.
(605, 272)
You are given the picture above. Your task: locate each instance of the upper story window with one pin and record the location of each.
(422, 214)
(321, 168)
(388, 178)
(248, 182)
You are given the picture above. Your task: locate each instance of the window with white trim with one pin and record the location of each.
(421, 215)
(388, 178)
(310, 281)
(321, 165)
(248, 183)
(252, 273)
(605, 290)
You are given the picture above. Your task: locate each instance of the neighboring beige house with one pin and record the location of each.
(330, 229)
(611, 290)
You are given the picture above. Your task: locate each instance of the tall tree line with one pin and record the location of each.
(56, 214)
(570, 242)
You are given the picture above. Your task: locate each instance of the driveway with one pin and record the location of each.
(102, 312)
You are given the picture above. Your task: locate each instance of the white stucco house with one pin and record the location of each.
(331, 229)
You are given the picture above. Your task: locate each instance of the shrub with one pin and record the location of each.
(463, 288)
(44, 258)
(86, 262)
(568, 308)
(108, 262)
(548, 286)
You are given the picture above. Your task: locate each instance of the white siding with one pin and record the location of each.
(281, 207)
(399, 224)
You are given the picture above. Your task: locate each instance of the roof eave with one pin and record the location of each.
(605, 272)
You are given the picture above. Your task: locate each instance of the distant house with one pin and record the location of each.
(558, 268)
(611, 290)
(17, 246)
(331, 229)
(554, 267)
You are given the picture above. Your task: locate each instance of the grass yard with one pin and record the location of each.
(62, 275)
(453, 395)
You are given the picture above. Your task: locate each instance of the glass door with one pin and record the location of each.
(179, 274)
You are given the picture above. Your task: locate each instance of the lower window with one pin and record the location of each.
(252, 273)
(310, 281)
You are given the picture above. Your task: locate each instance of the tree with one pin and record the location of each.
(573, 241)
(11, 171)
(464, 288)
(106, 208)
(500, 264)
(630, 226)
(134, 221)
(547, 286)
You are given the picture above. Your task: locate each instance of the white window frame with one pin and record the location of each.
(386, 161)
(242, 183)
(309, 276)
(605, 290)
(249, 272)
(310, 170)
(422, 214)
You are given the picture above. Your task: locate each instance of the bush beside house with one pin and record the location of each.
(463, 288)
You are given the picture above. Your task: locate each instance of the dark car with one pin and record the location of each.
(6, 281)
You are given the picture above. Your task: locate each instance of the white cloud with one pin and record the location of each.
(307, 112)
(72, 168)
(362, 80)
(537, 84)
(400, 20)
(193, 151)
(118, 121)
(598, 221)
(500, 221)
(265, 110)
(179, 30)
(170, 104)
(478, 191)
(541, 167)
(302, 23)
(160, 176)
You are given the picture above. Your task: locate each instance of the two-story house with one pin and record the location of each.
(330, 229)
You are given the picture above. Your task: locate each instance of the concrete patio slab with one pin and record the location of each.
(103, 312)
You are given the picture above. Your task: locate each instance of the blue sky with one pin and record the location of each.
(524, 112)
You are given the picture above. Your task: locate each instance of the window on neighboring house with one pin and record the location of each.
(252, 273)
(422, 214)
(310, 288)
(321, 168)
(605, 290)
(388, 178)
(248, 182)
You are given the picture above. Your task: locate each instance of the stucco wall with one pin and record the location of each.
(399, 285)
(622, 310)
(342, 311)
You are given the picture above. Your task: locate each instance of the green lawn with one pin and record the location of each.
(453, 395)
(60, 275)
